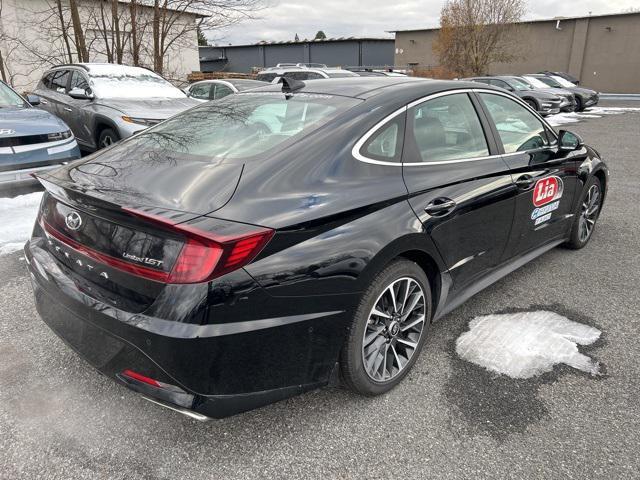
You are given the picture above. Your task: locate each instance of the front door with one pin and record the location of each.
(545, 176)
(459, 186)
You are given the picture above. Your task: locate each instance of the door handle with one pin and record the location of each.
(525, 182)
(67, 109)
(440, 207)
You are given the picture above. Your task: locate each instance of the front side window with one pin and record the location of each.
(78, 81)
(201, 91)
(519, 129)
(266, 77)
(447, 128)
(59, 81)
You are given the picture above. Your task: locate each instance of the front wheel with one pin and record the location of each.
(107, 138)
(532, 104)
(586, 215)
(388, 330)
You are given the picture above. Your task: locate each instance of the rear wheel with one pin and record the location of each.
(107, 138)
(388, 330)
(586, 214)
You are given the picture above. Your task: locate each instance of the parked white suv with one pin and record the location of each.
(302, 71)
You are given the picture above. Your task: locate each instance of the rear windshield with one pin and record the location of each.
(242, 126)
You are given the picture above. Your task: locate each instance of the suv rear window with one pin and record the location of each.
(266, 77)
(241, 126)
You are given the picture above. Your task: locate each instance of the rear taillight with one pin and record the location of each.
(207, 255)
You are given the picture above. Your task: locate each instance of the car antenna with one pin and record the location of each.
(290, 85)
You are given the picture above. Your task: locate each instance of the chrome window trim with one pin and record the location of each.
(355, 151)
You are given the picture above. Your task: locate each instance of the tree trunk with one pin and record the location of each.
(157, 52)
(115, 20)
(63, 29)
(81, 46)
(105, 34)
(135, 47)
(2, 71)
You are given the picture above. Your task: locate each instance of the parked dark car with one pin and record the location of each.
(584, 96)
(103, 102)
(569, 102)
(30, 140)
(542, 102)
(207, 90)
(229, 266)
(565, 75)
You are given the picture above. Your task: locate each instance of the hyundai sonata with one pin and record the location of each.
(240, 252)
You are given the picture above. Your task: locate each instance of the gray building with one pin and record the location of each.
(333, 52)
(603, 51)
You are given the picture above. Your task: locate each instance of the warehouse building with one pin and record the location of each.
(603, 51)
(332, 51)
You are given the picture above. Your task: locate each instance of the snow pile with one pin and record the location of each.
(17, 216)
(592, 112)
(525, 344)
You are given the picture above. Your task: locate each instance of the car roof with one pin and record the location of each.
(366, 87)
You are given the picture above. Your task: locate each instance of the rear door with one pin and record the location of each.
(545, 176)
(459, 186)
(58, 94)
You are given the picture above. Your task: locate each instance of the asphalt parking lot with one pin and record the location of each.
(448, 419)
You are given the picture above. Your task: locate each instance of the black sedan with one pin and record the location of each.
(542, 102)
(233, 255)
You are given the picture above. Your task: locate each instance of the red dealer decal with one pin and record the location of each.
(547, 190)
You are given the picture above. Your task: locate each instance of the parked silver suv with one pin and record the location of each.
(302, 71)
(103, 103)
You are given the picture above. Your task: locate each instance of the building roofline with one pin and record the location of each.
(302, 42)
(535, 20)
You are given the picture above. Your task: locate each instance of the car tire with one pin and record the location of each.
(107, 138)
(393, 337)
(532, 103)
(579, 104)
(586, 215)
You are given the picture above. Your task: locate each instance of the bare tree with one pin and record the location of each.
(476, 33)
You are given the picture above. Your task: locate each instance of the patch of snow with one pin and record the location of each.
(591, 112)
(17, 216)
(526, 344)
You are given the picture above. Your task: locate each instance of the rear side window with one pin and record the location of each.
(240, 126)
(222, 91)
(519, 129)
(447, 128)
(386, 143)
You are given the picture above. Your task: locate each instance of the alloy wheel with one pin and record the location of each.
(393, 330)
(107, 141)
(589, 213)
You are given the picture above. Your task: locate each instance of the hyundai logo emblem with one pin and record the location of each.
(73, 221)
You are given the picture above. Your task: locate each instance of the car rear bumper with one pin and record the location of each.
(107, 339)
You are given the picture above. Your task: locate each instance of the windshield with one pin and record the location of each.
(550, 82)
(563, 82)
(9, 98)
(241, 126)
(118, 81)
(535, 82)
(519, 84)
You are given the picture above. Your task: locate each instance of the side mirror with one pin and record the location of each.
(80, 94)
(33, 100)
(570, 141)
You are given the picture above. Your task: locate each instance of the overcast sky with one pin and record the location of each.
(357, 18)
